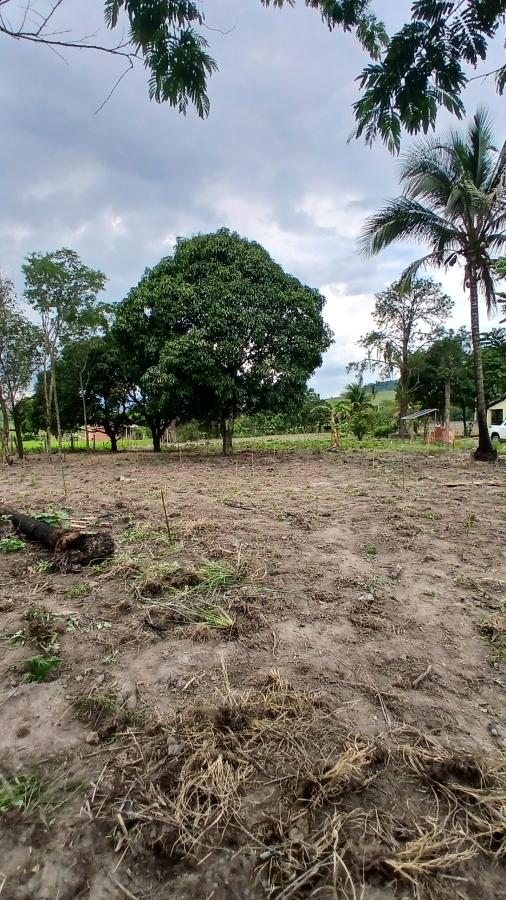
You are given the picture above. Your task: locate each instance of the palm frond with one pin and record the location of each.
(487, 286)
(404, 218)
(410, 272)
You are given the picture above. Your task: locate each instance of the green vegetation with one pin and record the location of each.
(56, 517)
(23, 792)
(39, 668)
(218, 576)
(423, 67)
(78, 590)
(406, 318)
(11, 545)
(191, 353)
(453, 201)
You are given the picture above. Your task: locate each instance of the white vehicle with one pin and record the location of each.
(498, 432)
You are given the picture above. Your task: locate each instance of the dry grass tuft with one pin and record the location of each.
(321, 812)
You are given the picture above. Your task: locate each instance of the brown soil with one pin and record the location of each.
(340, 733)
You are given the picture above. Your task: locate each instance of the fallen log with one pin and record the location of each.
(71, 549)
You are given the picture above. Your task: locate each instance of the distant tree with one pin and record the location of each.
(106, 389)
(455, 202)
(359, 409)
(250, 335)
(92, 323)
(407, 317)
(154, 311)
(20, 342)
(442, 373)
(422, 67)
(494, 363)
(62, 291)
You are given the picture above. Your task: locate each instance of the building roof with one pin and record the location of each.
(496, 401)
(419, 414)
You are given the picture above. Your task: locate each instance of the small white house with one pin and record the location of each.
(496, 412)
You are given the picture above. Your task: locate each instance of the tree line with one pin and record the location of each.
(219, 329)
(213, 331)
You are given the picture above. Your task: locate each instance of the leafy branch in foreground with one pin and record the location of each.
(422, 68)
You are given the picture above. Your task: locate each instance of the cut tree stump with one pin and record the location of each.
(71, 549)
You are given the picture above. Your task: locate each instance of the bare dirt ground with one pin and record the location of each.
(298, 692)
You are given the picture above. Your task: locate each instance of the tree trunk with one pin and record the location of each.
(227, 433)
(5, 426)
(114, 441)
(85, 414)
(484, 452)
(17, 428)
(71, 549)
(464, 419)
(56, 405)
(156, 434)
(403, 400)
(447, 407)
(48, 404)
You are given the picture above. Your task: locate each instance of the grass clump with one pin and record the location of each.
(11, 545)
(39, 668)
(21, 792)
(155, 578)
(328, 812)
(218, 575)
(216, 617)
(41, 630)
(493, 630)
(18, 639)
(147, 536)
(102, 712)
(78, 590)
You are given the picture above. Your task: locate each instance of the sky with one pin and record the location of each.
(272, 161)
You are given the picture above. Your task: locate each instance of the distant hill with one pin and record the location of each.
(383, 391)
(381, 386)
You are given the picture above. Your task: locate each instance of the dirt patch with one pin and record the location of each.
(369, 764)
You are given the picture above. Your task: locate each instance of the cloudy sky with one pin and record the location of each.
(272, 161)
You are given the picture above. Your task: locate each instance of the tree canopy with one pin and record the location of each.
(407, 317)
(421, 68)
(220, 325)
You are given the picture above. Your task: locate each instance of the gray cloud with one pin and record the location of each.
(272, 161)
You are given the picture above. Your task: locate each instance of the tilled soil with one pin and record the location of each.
(308, 648)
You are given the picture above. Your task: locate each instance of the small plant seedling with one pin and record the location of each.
(372, 551)
(73, 623)
(38, 613)
(22, 792)
(38, 668)
(43, 566)
(100, 567)
(56, 517)
(79, 590)
(216, 617)
(18, 639)
(11, 545)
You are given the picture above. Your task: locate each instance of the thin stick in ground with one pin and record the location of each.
(166, 517)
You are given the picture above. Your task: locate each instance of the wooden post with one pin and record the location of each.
(166, 516)
(63, 479)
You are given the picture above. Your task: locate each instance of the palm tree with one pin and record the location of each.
(358, 398)
(454, 201)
